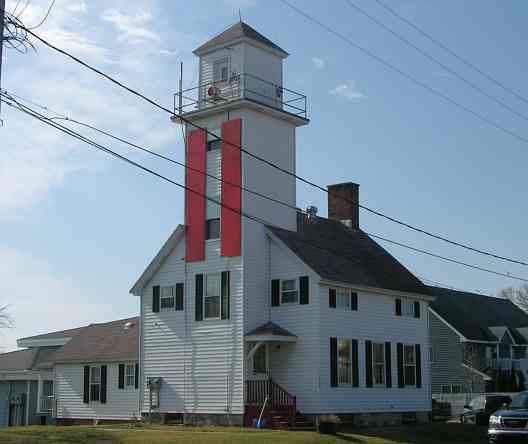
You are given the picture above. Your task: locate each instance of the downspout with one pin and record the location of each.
(141, 390)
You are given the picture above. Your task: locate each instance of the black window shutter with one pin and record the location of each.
(304, 290)
(103, 384)
(121, 377)
(136, 376)
(368, 363)
(332, 297)
(225, 294)
(333, 362)
(354, 301)
(275, 292)
(178, 304)
(355, 363)
(86, 393)
(398, 307)
(399, 354)
(388, 365)
(155, 298)
(416, 309)
(198, 297)
(418, 366)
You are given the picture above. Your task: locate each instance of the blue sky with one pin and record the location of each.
(78, 228)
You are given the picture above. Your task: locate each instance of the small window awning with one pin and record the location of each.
(270, 332)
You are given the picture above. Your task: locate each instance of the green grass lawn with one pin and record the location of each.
(429, 434)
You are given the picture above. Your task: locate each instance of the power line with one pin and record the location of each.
(45, 16)
(413, 79)
(453, 53)
(100, 147)
(271, 164)
(487, 270)
(435, 60)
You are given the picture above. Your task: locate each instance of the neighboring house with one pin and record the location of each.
(26, 380)
(73, 376)
(476, 343)
(308, 310)
(96, 374)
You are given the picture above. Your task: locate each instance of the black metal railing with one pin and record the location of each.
(240, 86)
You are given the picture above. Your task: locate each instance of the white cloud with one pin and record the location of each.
(79, 7)
(132, 28)
(168, 52)
(319, 63)
(76, 43)
(347, 91)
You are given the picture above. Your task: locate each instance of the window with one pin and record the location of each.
(446, 389)
(378, 363)
(212, 296)
(343, 299)
(519, 352)
(212, 229)
(456, 388)
(95, 383)
(260, 366)
(220, 70)
(167, 298)
(344, 361)
(213, 145)
(408, 308)
(130, 375)
(289, 294)
(409, 364)
(432, 355)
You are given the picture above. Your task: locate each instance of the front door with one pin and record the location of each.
(260, 363)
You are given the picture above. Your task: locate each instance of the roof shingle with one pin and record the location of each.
(338, 253)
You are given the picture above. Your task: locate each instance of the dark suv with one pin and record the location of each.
(480, 408)
(511, 421)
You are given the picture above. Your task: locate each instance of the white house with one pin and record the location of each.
(307, 311)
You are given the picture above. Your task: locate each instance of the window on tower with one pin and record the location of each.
(212, 229)
(220, 70)
(213, 145)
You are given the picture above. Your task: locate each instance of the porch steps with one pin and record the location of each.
(281, 420)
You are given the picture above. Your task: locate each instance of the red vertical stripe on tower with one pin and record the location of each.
(195, 203)
(230, 217)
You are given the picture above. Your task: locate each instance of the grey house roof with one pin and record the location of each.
(109, 342)
(28, 359)
(236, 32)
(475, 316)
(55, 335)
(338, 253)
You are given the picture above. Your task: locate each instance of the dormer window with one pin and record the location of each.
(221, 70)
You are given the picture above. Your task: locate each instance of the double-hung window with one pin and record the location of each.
(289, 293)
(344, 361)
(408, 308)
(95, 383)
(343, 299)
(221, 70)
(130, 375)
(378, 363)
(212, 228)
(409, 364)
(167, 298)
(212, 296)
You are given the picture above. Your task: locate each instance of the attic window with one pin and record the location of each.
(220, 70)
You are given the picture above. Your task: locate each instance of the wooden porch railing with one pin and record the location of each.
(278, 398)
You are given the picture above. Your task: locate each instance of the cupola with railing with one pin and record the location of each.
(239, 64)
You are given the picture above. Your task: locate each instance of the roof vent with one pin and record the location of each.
(128, 325)
(311, 211)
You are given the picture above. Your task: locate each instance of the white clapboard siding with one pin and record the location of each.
(375, 320)
(121, 404)
(295, 366)
(200, 362)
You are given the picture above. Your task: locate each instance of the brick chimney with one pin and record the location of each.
(343, 203)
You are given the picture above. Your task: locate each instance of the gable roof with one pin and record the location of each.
(160, 257)
(476, 316)
(270, 328)
(236, 32)
(338, 253)
(107, 342)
